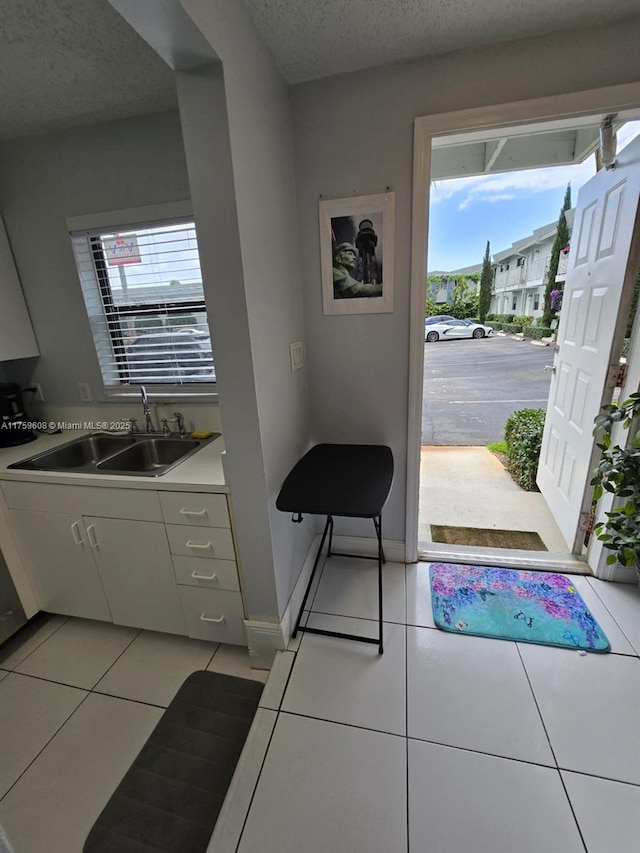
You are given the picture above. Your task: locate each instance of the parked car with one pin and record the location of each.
(456, 329)
(437, 318)
(184, 354)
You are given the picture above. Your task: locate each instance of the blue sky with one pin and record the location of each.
(466, 212)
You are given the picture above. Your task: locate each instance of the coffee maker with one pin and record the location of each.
(14, 423)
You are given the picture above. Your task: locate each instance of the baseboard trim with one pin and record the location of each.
(394, 549)
(264, 640)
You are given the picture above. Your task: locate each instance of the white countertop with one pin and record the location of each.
(203, 471)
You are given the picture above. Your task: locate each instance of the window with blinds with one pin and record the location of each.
(143, 293)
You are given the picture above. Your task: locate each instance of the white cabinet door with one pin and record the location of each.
(16, 332)
(136, 570)
(59, 563)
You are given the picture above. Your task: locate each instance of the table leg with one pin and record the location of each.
(330, 539)
(377, 522)
(378, 527)
(328, 525)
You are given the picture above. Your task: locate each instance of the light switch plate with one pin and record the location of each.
(85, 392)
(296, 355)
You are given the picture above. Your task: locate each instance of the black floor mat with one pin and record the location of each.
(170, 797)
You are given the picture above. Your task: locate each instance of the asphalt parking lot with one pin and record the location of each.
(472, 386)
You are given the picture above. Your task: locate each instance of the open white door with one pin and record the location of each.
(597, 294)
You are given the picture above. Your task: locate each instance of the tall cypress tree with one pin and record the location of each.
(486, 282)
(562, 240)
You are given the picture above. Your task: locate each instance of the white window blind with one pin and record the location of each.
(143, 294)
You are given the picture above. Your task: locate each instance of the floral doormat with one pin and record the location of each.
(510, 604)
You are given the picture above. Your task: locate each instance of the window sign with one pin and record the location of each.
(122, 250)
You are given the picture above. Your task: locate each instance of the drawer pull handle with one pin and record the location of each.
(199, 577)
(75, 532)
(200, 512)
(198, 545)
(204, 618)
(91, 533)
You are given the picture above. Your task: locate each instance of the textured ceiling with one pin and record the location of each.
(71, 62)
(317, 38)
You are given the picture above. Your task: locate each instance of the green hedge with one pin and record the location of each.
(504, 318)
(512, 328)
(496, 326)
(537, 332)
(522, 320)
(523, 436)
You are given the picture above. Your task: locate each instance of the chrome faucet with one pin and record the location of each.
(146, 410)
(180, 422)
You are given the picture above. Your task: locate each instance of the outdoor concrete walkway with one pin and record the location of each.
(468, 487)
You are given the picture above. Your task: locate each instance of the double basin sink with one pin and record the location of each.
(139, 455)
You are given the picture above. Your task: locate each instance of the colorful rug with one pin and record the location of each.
(509, 604)
(524, 540)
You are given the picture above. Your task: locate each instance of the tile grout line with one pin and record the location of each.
(110, 667)
(55, 734)
(266, 752)
(48, 637)
(215, 652)
(535, 700)
(595, 776)
(255, 787)
(610, 612)
(557, 768)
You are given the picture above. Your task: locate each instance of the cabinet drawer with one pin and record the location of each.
(210, 542)
(196, 571)
(195, 509)
(213, 614)
(139, 504)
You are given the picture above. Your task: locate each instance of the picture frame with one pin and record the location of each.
(357, 254)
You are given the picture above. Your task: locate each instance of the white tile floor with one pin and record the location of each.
(447, 744)
(78, 699)
(444, 744)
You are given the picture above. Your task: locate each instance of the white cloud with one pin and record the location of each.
(509, 185)
(501, 197)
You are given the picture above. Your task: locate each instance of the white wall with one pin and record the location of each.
(260, 138)
(353, 134)
(44, 180)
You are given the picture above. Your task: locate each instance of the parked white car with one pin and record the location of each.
(456, 329)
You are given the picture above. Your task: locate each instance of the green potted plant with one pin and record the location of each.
(618, 472)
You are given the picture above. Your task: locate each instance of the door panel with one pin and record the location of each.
(136, 570)
(59, 563)
(597, 293)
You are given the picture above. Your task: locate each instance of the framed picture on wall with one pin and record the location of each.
(356, 246)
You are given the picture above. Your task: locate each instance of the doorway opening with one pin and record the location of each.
(470, 508)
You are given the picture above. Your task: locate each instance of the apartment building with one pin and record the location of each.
(521, 271)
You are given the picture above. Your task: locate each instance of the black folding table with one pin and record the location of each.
(340, 480)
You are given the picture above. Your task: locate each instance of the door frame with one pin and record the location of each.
(556, 107)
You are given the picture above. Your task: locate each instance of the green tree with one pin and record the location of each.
(486, 286)
(430, 307)
(562, 240)
(464, 300)
(634, 306)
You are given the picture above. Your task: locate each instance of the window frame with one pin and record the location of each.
(91, 226)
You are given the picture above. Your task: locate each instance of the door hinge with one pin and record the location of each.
(621, 377)
(586, 521)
